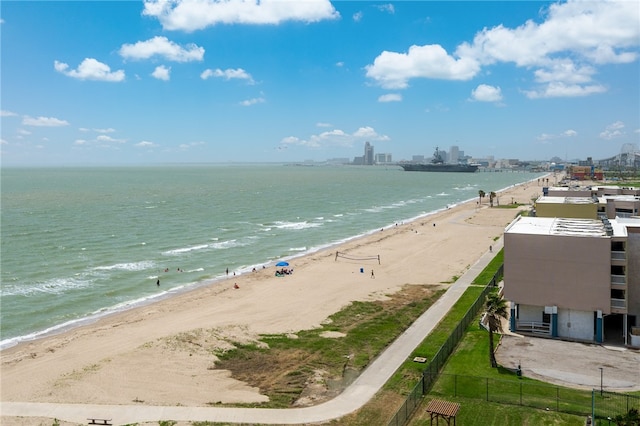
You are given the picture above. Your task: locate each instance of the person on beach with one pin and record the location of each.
(236, 286)
(490, 249)
(158, 283)
(227, 271)
(372, 276)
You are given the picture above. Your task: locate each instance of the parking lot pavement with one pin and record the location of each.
(572, 364)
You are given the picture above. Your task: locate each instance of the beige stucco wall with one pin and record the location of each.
(552, 270)
(633, 272)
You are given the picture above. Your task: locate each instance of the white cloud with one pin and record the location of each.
(559, 89)
(145, 144)
(161, 73)
(390, 97)
(253, 101)
(486, 93)
(386, 8)
(192, 15)
(393, 70)
(227, 74)
(563, 51)
(320, 124)
(5, 113)
(43, 121)
(108, 139)
(161, 46)
(90, 69)
(23, 132)
(80, 142)
(613, 130)
(566, 134)
(185, 146)
(335, 137)
(107, 130)
(357, 16)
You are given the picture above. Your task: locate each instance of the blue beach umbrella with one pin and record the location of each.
(282, 263)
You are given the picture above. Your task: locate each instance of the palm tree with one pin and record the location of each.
(481, 195)
(492, 195)
(496, 309)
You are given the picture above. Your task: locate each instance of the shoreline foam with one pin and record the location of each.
(117, 359)
(194, 286)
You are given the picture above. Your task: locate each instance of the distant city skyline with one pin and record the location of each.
(154, 82)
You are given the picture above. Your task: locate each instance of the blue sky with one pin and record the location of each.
(165, 81)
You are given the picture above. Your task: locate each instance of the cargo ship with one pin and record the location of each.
(437, 164)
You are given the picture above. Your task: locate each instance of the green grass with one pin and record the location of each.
(479, 413)
(468, 374)
(507, 206)
(487, 273)
(410, 372)
(287, 364)
(493, 396)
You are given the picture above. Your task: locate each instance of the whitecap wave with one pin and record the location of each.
(52, 286)
(131, 266)
(296, 225)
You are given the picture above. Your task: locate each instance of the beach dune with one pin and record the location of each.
(160, 354)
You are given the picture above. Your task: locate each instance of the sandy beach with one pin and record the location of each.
(160, 353)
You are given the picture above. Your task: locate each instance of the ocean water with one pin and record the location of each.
(79, 243)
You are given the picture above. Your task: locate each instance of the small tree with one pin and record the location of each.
(492, 195)
(496, 309)
(632, 418)
(481, 195)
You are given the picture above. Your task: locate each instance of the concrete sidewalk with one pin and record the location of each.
(354, 397)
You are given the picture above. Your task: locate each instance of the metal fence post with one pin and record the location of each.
(487, 389)
(520, 393)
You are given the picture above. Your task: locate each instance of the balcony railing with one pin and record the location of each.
(618, 280)
(534, 327)
(618, 304)
(618, 255)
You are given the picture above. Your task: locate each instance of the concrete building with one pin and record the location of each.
(368, 154)
(576, 207)
(383, 158)
(610, 202)
(454, 154)
(574, 278)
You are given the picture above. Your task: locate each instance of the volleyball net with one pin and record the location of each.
(365, 258)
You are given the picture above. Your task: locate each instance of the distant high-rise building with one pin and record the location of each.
(368, 154)
(454, 154)
(382, 158)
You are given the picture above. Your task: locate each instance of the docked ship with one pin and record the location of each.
(437, 164)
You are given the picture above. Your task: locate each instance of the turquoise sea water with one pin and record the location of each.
(78, 243)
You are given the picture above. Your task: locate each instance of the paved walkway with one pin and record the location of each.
(351, 399)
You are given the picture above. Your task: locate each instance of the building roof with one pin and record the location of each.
(564, 200)
(630, 198)
(558, 226)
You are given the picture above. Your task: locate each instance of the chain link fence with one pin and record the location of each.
(607, 406)
(430, 373)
